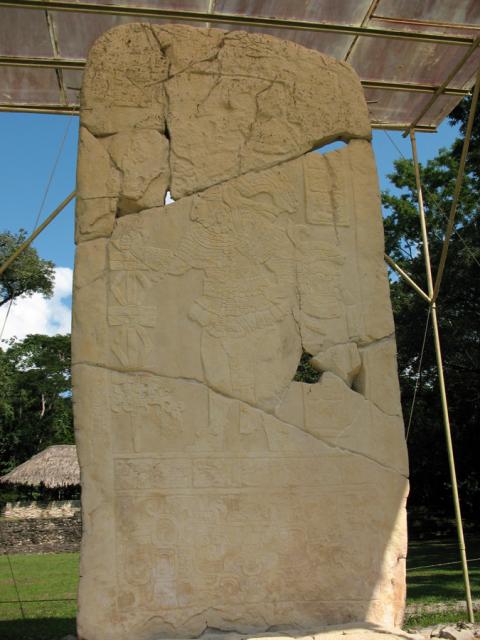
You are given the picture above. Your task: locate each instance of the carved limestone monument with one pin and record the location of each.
(219, 493)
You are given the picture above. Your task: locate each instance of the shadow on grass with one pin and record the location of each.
(427, 552)
(420, 620)
(438, 587)
(37, 628)
(429, 579)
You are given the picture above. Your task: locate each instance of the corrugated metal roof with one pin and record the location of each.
(403, 50)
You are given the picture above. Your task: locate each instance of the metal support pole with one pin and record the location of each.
(458, 187)
(441, 382)
(128, 9)
(37, 231)
(391, 263)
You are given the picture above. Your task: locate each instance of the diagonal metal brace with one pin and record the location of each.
(391, 263)
(458, 187)
(37, 232)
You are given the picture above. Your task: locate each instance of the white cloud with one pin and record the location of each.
(37, 314)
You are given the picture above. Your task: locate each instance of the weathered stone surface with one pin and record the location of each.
(452, 632)
(337, 632)
(353, 631)
(254, 101)
(123, 82)
(97, 177)
(95, 217)
(218, 493)
(231, 102)
(342, 359)
(141, 156)
(377, 379)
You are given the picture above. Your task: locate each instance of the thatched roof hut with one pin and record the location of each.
(54, 467)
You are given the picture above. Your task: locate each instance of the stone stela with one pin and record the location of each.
(218, 493)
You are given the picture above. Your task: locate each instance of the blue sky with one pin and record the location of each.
(30, 148)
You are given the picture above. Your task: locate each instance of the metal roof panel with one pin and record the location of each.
(340, 28)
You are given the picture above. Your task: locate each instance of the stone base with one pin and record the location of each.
(360, 630)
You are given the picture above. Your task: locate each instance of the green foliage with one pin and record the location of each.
(459, 116)
(28, 274)
(459, 311)
(422, 620)
(305, 372)
(35, 397)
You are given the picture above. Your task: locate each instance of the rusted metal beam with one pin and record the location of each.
(441, 89)
(79, 64)
(411, 87)
(368, 14)
(235, 19)
(43, 63)
(59, 109)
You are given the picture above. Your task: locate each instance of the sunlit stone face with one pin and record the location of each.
(217, 492)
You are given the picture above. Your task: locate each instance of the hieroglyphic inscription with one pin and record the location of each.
(147, 415)
(133, 268)
(328, 189)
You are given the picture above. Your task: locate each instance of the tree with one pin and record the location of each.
(35, 397)
(459, 312)
(28, 274)
(459, 116)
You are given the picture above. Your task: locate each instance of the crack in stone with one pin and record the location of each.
(220, 74)
(248, 135)
(163, 47)
(93, 237)
(385, 413)
(274, 165)
(327, 443)
(120, 196)
(387, 338)
(332, 176)
(365, 347)
(101, 275)
(193, 63)
(167, 133)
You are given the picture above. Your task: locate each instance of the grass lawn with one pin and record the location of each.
(51, 576)
(439, 584)
(38, 577)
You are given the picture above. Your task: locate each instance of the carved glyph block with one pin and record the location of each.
(218, 493)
